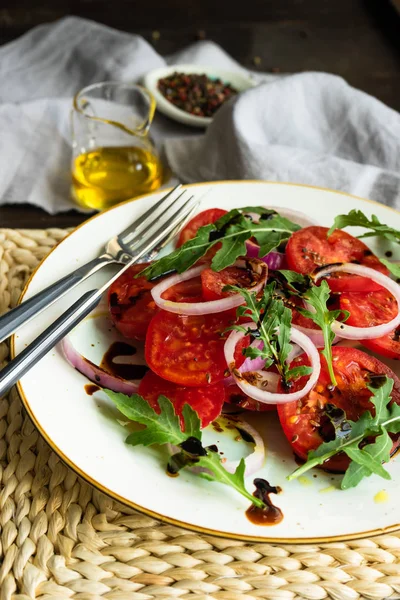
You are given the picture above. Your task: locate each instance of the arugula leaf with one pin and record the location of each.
(367, 459)
(296, 282)
(231, 230)
(393, 267)
(212, 461)
(273, 320)
(182, 258)
(231, 249)
(317, 297)
(357, 218)
(161, 428)
(165, 428)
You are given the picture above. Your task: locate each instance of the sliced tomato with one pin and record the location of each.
(310, 248)
(305, 423)
(188, 350)
(301, 321)
(206, 401)
(370, 309)
(132, 306)
(213, 282)
(186, 291)
(131, 303)
(204, 218)
(234, 395)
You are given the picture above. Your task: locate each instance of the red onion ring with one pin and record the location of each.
(297, 337)
(364, 333)
(96, 373)
(212, 306)
(274, 260)
(255, 460)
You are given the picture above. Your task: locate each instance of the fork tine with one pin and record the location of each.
(169, 212)
(138, 227)
(165, 227)
(170, 236)
(149, 212)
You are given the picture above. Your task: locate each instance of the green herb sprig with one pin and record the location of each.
(273, 320)
(231, 231)
(317, 297)
(367, 458)
(393, 267)
(165, 428)
(356, 218)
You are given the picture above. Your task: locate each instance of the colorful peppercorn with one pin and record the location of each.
(196, 94)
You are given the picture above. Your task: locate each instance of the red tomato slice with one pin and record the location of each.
(310, 248)
(213, 282)
(131, 303)
(186, 291)
(303, 421)
(187, 350)
(301, 321)
(374, 308)
(234, 395)
(132, 306)
(206, 401)
(204, 218)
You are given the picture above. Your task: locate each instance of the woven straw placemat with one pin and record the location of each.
(60, 538)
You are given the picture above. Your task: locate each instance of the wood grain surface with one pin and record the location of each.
(357, 39)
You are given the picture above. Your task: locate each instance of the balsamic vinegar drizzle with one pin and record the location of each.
(271, 514)
(91, 388)
(122, 370)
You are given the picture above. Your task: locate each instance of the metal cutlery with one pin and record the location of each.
(166, 223)
(120, 249)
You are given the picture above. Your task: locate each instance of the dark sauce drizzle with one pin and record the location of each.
(121, 370)
(271, 514)
(91, 388)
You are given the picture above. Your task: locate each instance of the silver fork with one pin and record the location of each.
(166, 224)
(119, 249)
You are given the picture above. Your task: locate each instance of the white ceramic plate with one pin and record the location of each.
(239, 81)
(83, 431)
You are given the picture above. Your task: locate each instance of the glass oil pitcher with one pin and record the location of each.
(113, 157)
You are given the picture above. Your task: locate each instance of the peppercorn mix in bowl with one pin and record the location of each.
(192, 94)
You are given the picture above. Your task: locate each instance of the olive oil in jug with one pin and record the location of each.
(108, 175)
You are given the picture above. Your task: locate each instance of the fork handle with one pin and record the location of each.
(20, 365)
(24, 312)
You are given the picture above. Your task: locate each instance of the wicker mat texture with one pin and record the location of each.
(60, 538)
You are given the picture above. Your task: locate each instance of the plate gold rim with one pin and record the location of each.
(141, 509)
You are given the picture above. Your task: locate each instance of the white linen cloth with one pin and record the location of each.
(307, 128)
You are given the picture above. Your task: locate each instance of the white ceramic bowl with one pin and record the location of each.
(238, 80)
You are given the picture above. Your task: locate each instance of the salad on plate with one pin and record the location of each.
(259, 311)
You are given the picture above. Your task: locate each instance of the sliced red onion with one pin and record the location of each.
(213, 306)
(262, 395)
(95, 373)
(364, 333)
(253, 462)
(253, 364)
(274, 260)
(315, 335)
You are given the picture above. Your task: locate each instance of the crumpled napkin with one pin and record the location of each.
(310, 128)
(307, 128)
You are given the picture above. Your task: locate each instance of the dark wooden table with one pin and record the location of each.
(357, 39)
